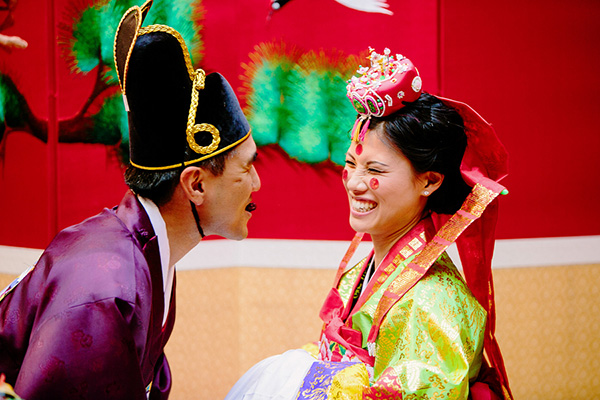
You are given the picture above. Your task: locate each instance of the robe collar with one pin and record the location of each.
(160, 227)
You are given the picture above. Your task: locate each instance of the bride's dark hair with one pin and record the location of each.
(432, 136)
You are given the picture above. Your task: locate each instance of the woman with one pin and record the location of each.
(402, 323)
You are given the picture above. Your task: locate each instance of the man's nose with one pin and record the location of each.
(255, 180)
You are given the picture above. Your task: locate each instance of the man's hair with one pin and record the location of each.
(159, 186)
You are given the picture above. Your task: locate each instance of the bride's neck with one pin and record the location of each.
(384, 242)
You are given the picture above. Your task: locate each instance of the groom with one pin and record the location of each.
(92, 318)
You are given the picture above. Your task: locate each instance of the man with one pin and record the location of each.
(91, 320)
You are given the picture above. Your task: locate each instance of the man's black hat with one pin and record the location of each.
(177, 115)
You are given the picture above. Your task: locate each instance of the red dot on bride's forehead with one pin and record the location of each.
(359, 149)
(374, 183)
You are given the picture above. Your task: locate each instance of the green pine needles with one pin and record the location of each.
(13, 107)
(298, 100)
(87, 38)
(110, 122)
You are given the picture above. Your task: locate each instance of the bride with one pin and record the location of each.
(402, 323)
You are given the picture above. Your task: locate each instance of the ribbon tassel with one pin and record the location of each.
(356, 129)
(363, 131)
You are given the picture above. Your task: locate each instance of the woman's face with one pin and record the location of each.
(385, 193)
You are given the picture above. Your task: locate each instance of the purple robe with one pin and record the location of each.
(86, 323)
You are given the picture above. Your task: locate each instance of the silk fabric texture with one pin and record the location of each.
(86, 322)
(429, 345)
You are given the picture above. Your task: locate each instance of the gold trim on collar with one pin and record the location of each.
(186, 163)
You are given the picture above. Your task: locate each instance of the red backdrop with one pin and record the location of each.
(529, 67)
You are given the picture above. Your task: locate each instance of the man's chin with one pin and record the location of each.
(237, 235)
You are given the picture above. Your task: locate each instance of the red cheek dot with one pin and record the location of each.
(374, 183)
(345, 174)
(359, 149)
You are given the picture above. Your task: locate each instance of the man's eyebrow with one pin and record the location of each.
(254, 157)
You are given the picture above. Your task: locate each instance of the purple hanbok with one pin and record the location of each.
(86, 322)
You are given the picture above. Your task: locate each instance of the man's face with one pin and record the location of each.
(228, 205)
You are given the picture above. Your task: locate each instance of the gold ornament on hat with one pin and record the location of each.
(192, 128)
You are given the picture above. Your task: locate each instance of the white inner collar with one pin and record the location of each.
(160, 228)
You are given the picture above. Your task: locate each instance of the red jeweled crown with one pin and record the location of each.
(382, 88)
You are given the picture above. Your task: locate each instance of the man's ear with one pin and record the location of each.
(433, 180)
(191, 181)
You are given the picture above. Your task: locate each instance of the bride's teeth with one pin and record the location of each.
(363, 206)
